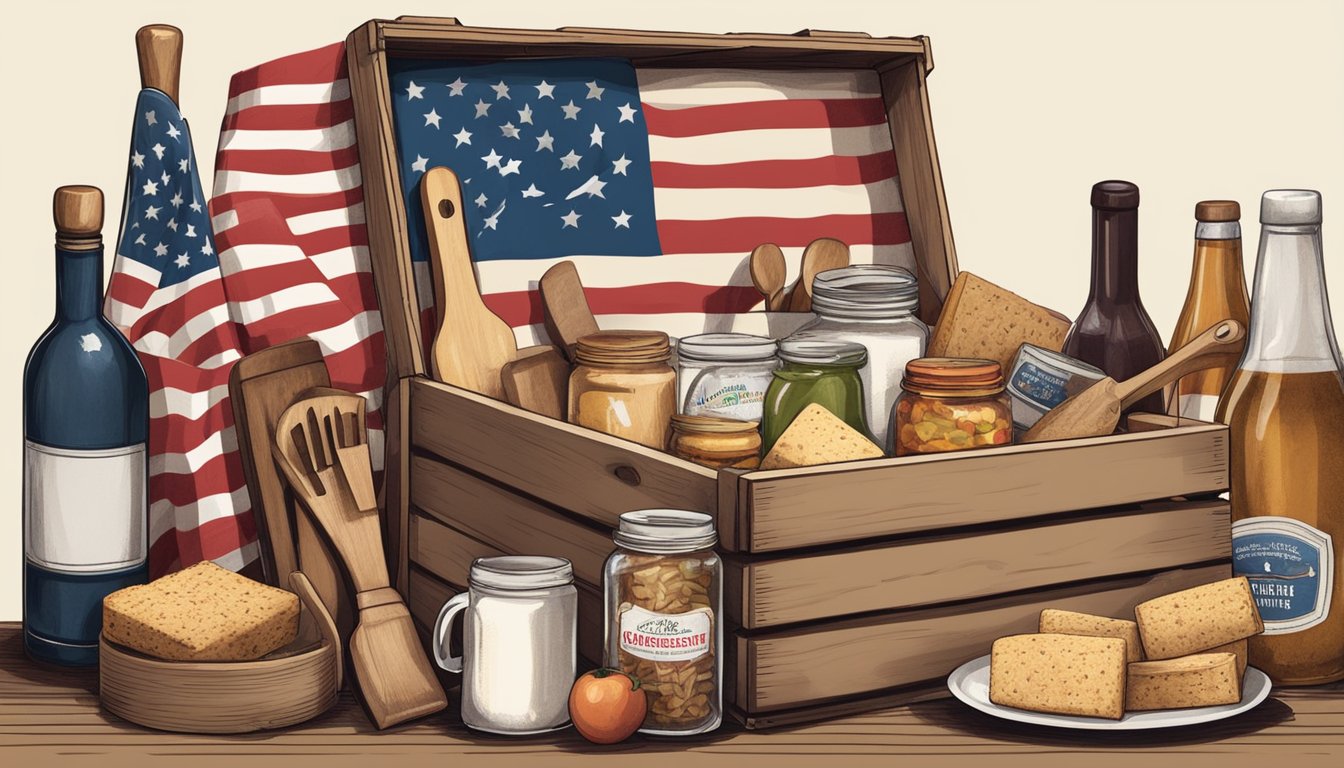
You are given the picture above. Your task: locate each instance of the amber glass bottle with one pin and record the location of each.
(1283, 409)
(1217, 292)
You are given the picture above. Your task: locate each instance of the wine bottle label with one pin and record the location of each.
(1291, 568)
(84, 511)
(1201, 407)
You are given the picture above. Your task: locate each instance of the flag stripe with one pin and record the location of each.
(322, 114)
(776, 174)
(744, 234)
(803, 113)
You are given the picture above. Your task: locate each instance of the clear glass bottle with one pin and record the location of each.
(1217, 292)
(85, 429)
(1283, 408)
(664, 595)
(875, 306)
(815, 371)
(724, 374)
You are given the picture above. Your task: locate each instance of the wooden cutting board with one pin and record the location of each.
(564, 307)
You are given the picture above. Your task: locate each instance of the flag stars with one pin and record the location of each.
(150, 119)
(432, 118)
(140, 240)
(501, 91)
(160, 250)
(414, 91)
(183, 165)
(481, 200)
(172, 224)
(492, 221)
(510, 167)
(545, 90)
(191, 230)
(137, 159)
(152, 213)
(151, 188)
(463, 137)
(595, 138)
(421, 164)
(593, 91)
(482, 109)
(158, 149)
(570, 160)
(619, 166)
(456, 87)
(571, 110)
(525, 114)
(196, 206)
(622, 221)
(627, 113)
(173, 132)
(206, 249)
(532, 191)
(165, 178)
(176, 200)
(546, 141)
(510, 131)
(492, 159)
(571, 219)
(182, 260)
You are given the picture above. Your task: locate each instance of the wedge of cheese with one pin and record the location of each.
(1073, 623)
(1201, 680)
(1197, 619)
(1062, 674)
(818, 436)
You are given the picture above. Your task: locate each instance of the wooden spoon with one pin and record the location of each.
(822, 254)
(1096, 410)
(471, 344)
(564, 308)
(768, 273)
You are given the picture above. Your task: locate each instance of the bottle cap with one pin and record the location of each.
(1290, 207)
(78, 211)
(665, 531)
(1115, 195)
(953, 376)
(623, 348)
(1218, 210)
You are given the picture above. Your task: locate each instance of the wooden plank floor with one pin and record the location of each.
(50, 716)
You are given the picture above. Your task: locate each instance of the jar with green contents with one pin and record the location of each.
(815, 371)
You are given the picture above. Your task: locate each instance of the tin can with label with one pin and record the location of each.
(664, 592)
(1041, 379)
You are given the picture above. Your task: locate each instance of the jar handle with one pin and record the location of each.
(450, 610)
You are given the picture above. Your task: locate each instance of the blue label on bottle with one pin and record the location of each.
(1043, 387)
(1290, 566)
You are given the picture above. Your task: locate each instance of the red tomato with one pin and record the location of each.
(607, 706)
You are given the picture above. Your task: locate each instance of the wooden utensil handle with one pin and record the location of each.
(159, 48)
(441, 199)
(1203, 352)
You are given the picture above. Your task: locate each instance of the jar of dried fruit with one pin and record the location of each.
(951, 404)
(664, 589)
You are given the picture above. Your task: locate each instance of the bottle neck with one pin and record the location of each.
(79, 283)
(1291, 330)
(1217, 269)
(1115, 255)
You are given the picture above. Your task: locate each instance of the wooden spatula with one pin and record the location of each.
(1096, 410)
(393, 675)
(820, 255)
(538, 381)
(768, 273)
(471, 344)
(565, 308)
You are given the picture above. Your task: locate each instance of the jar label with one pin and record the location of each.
(1291, 568)
(666, 636)
(733, 397)
(1043, 387)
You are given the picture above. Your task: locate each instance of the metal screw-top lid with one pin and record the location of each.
(78, 213)
(1218, 210)
(1290, 207)
(865, 290)
(663, 531)
(822, 352)
(1115, 195)
(734, 347)
(521, 572)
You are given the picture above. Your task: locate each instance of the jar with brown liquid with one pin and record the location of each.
(624, 386)
(1283, 409)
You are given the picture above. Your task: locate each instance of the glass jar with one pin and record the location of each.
(716, 442)
(875, 306)
(518, 643)
(622, 385)
(724, 374)
(815, 371)
(664, 591)
(951, 404)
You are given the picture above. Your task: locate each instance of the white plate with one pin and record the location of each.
(970, 683)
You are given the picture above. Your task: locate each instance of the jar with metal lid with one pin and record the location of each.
(872, 305)
(664, 591)
(622, 385)
(724, 374)
(951, 404)
(716, 442)
(816, 371)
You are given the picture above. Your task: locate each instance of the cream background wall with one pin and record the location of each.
(1033, 101)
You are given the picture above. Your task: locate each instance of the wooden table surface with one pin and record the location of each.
(50, 716)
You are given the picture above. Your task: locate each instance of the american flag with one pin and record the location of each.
(657, 183)
(167, 296)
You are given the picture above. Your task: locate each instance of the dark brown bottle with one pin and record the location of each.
(1113, 332)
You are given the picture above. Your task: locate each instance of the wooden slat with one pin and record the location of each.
(905, 91)
(397, 480)
(946, 568)
(425, 596)
(507, 521)
(814, 664)
(860, 500)
(568, 466)
(447, 554)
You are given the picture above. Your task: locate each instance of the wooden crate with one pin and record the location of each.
(849, 586)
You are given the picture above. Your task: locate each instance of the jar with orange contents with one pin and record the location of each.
(951, 404)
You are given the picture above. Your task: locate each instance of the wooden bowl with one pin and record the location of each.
(288, 686)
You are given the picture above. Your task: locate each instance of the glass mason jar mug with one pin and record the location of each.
(664, 592)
